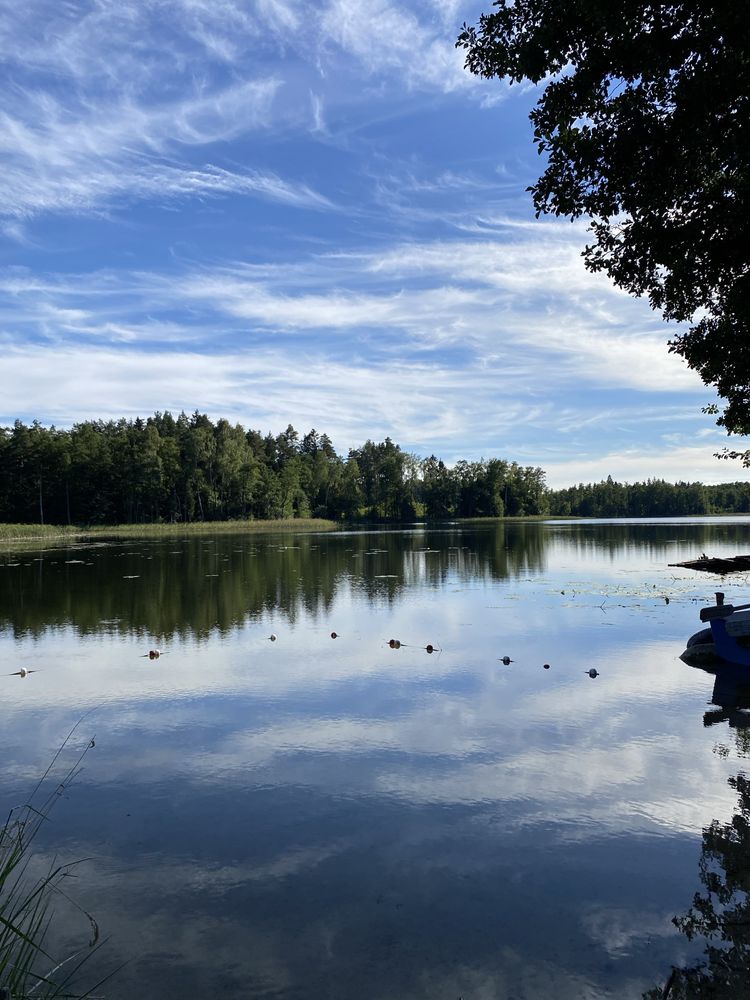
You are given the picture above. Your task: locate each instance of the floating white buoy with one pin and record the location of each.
(506, 660)
(154, 654)
(272, 637)
(23, 672)
(593, 672)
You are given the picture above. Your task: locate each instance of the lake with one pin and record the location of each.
(316, 817)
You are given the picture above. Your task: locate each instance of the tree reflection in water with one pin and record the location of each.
(721, 910)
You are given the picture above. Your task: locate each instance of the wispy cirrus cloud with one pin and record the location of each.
(474, 305)
(390, 38)
(351, 400)
(104, 103)
(121, 154)
(388, 252)
(454, 347)
(141, 180)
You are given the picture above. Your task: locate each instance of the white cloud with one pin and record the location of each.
(259, 388)
(95, 90)
(487, 341)
(316, 107)
(390, 39)
(689, 463)
(459, 348)
(55, 161)
(499, 302)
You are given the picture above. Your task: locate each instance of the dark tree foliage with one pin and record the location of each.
(652, 498)
(166, 469)
(644, 120)
(189, 469)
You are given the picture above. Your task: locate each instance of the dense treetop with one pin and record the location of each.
(644, 121)
(188, 468)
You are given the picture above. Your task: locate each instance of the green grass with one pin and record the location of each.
(19, 532)
(209, 528)
(27, 968)
(11, 534)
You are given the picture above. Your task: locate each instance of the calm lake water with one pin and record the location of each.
(335, 818)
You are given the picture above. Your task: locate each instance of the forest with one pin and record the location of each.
(653, 498)
(167, 469)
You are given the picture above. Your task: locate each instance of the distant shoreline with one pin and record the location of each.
(12, 534)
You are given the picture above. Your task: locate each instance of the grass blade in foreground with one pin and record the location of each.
(27, 969)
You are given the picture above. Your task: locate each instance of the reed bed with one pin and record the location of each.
(13, 534)
(20, 532)
(209, 528)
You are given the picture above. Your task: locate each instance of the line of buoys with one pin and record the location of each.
(593, 672)
(429, 648)
(155, 654)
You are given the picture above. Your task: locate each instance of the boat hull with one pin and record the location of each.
(732, 648)
(711, 647)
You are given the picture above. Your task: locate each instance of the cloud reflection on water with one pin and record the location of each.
(386, 822)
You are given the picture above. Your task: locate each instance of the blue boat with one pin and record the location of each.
(727, 640)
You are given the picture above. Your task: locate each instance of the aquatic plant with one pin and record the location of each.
(27, 968)
(14, 536)
(47, 532)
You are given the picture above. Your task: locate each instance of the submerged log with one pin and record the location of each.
(717, 564)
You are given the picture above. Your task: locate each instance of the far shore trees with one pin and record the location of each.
(186, 469)
(167, 470)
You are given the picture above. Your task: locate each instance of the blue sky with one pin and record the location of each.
(288, 212)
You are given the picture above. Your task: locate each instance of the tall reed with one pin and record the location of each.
(11, 535)
(28, 971)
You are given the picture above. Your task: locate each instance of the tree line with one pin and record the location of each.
(653, 498)
(169, 469)
(188, 468)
